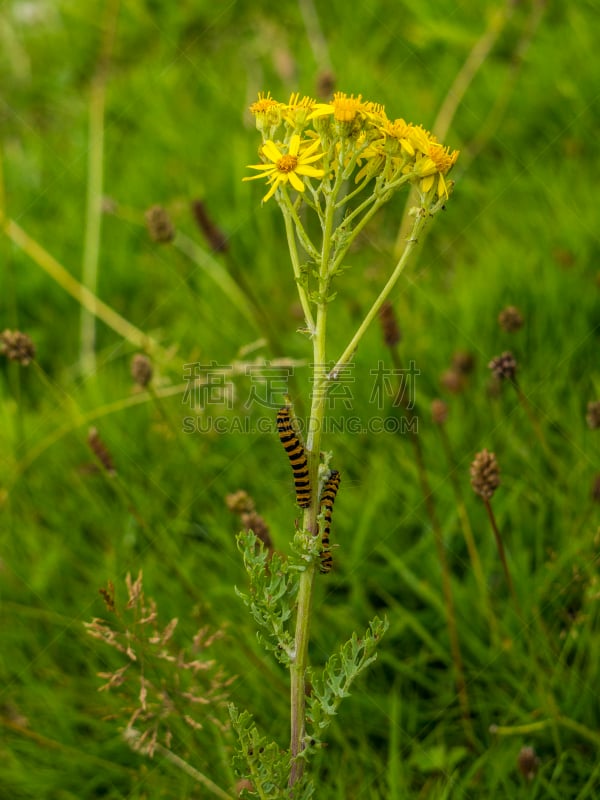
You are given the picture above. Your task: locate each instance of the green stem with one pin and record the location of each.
(299, 663)
(544, 724)
(291, 238)
(420, 222)
(93, 217)
(311, 250)
(502, 555)
(469, 538)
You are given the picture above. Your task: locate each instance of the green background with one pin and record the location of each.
(520, 229)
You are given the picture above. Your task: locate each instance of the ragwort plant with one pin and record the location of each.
(337, 163)
(330, 167)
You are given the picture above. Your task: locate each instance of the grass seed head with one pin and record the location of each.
(504, 367)
(593, 414)
(240, 502)
(528, 763)
(389, 325)
(463, 362)
(485, 474)
(439, 411)
(17, 346)
(159, 225)
(213, 235)
(453, 381)
(141, 369)
(100, 450)
(510, 319)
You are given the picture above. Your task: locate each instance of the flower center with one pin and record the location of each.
(442, 158)
(287, 163)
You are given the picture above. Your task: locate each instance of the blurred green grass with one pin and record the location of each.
(521, 228)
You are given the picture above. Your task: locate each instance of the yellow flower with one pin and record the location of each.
(437, 161)
(288, 167)
(267, 111)
(346, 109)
(298, 109)
(397, 135)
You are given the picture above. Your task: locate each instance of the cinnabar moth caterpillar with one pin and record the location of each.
(327, 501)
(297, 456)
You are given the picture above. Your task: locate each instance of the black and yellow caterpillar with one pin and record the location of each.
(327, 501)
(293, 447)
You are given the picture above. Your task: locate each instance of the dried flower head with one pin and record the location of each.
(439, 411)
(485, 474)
(17, 346)
(510, 319)
(159, 225)
(453, 381)
(100, 450)
(528, 763)
(191, 687)
(463, 362)
(213, 234)
(389, 324)
(593, 414)
(252, 521)
(240, 502)
(141, 369)
(504, 366)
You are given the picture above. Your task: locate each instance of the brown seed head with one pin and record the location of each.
(528, 763)
(213, 235)
(159, 225)
(596, 488)
(504, 367)
(17, 346)
(255, 523)
(485, 474)
(325, 83)
(100, 450)
(240, 502)
(510, 319)
(453, 381)
(593, 414)
(463, 362)
(389, 325)
(141, 369)
(439, 411)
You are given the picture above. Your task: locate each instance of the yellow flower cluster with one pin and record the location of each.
(305, 139)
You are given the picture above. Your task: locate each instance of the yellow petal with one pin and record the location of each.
(296, 182)
(271, 151)
(305, 169)
(294, 145)
(271, 191)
